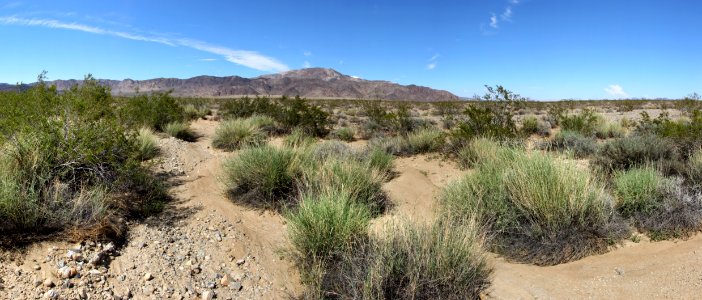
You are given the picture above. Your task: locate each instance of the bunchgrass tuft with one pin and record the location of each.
(179, 130)
(575, 142)
(298, 138)
(537, 209)
(262, 177)
(639, 190)
(345, 134)
(146, 142)
(238, 133)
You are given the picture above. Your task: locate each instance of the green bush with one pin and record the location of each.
(634, 151)
(539, 209)
(326, 226)
(530, 125)
(606, 130)
(262, 177)
(482, 150)
(238, 133)
(425, 140)
(586, 122)
(154, 110)
(359, 180)
(179, 130)
(379, 160)
(146, 142)
(638, 190)
(345, 134)
(298, 138)
(580, 146)
(427, 262)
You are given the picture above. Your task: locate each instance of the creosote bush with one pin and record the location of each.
(69, 163)
(288, 113)
(536, 208)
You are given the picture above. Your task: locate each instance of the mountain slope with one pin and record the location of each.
(310, 83)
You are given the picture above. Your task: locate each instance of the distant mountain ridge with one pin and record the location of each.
(309, 83)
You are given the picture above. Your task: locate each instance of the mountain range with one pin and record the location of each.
(308, 83)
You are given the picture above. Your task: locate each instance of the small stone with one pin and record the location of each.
(48, 283)
(122, 277)
(218, 236)
(82, 293)
(51, 294)
(240, 262)
(236, 286)
(207, 295)
(37, 267)
(67, 272)
(37, 282)
(224, 281)
(148, 276)
(619, 271)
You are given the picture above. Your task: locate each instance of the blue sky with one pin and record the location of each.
(542, 49)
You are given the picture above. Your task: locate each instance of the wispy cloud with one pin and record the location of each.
(433, 62)
(307, 53)
(507, 14)
(493, 21)
(616, 90)
(251, 59)
(207, 59)
(11, 5)
(306, 65)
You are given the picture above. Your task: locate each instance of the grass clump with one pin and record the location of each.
(578, 144)
(536, 208)
(298, 138)
(427, 262)
(661, 207)
(482, 150)
(238, 133)
(416, 142)
(633, 151)
(146, 142)
(179, 130)
(607, 130)
(262, 177)
(345, 134)
(586, 122)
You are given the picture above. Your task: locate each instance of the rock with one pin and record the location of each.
(109, 247)
(82, 293)
(51, 294)
(619, 271)
(37, 283)
(74, 255)
(218, 236)
(240, 262)
(207, 295)
(48, 283)
(67, 272)
(148, 277)
(236, 286)
(224, 281)
(122, 277)
(37, 267)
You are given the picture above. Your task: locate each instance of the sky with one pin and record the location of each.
(541, 49)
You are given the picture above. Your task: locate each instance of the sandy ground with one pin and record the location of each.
(650, 270)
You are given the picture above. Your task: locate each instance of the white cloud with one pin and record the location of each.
(507, 15)
(251, 59)
(207, 59)
(307, 53)
(514, 1)
(306, 65)
(616, 90)
(433, 58)
(433, 61)
(431, 66)
(493, 21)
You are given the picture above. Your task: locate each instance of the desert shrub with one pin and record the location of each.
(530, 125)
(633, 151)
(263, 122)
(288, 113)
(695, 168)
(482, 150)
(638, 190)
(685, 134)
(396, 145)
(345, 134)
(380, 160)
(193, 112)
(579, 145)
(427, 262)
(538, 209)
(179, 130)
(359, 180)
(238, 133)
(298, 138)
(155, 110)
(73, 167)
(425, 140)
(586, 122)
(326, 226)
(482, 122)
(370, 129)
(605, 130)
(146, 143)
(262, 177)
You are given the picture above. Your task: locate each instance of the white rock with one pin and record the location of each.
(207, 295)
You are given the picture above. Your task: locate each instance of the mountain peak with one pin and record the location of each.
(325, 74)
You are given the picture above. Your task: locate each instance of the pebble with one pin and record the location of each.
(207, 295)
(48, 283)
(148, 276)
(37, 267)
(51, 294)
